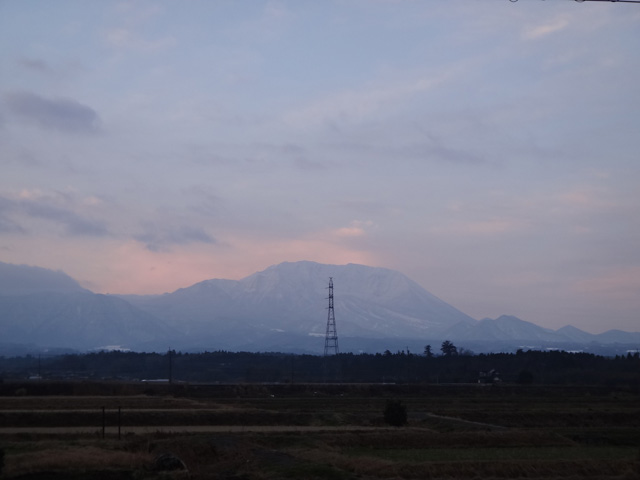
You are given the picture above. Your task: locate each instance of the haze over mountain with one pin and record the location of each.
(283, 308)
(25, 279)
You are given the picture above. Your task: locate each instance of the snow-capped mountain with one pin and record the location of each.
(291, 298)
(283, 308)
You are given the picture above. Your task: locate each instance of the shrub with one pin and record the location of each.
(525, 377)
(395, 413)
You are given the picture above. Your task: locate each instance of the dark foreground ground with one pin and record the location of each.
(317, 431)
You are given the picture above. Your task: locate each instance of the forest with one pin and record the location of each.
(451, 366)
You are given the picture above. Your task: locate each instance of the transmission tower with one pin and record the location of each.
(331, 337)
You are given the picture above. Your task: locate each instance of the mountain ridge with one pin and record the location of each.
(281, 307)
(291, 297)
(24, 279)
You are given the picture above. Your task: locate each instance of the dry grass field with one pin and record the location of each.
(321, 432)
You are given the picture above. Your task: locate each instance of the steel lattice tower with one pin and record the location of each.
(331, 337)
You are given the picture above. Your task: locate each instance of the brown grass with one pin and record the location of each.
(339, 436)
(374, 467)
(82, 457)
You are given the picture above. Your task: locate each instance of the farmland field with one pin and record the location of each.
(315, 431)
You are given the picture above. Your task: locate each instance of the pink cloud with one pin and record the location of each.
(130, 268)
(545, 29)
(109, 265)
(357, 228)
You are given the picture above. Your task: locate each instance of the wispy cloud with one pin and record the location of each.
(354, 106)
(128, 39)
(438, 148)
(132, 19)
(357, 228)
(73, 223)
(160, 238)
(489, 227)
(35, 64)
(62, 114)
(271, 22)
(203, 200)
(9, 226)
(56, 210)
(542, 30)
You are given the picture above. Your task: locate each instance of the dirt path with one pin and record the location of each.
(459, 421)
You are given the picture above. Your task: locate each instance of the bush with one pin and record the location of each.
(395, 413)
(525, 377)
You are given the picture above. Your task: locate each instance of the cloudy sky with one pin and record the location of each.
(486, 149)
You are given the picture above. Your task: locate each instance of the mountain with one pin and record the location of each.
(290, 299)
(44, 308)
(507, 332)
(283, 308)
(79, 320)
(618, 336)
(25, 279)
(575, 334)
(504, 328)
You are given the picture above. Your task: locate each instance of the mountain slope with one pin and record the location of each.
(50, 309)
(282, 308)
(80, 320)
(290, 298)
(618, 336)
(575, 334)
(25, 279)
(507, 328)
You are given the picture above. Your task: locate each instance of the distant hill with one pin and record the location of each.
(79, 320)
(24, 279)
(283, 308)
(48, 309)
(508, 332)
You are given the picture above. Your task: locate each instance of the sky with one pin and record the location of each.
(487, 149)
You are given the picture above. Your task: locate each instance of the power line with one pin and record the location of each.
(618, 1)
(610, 1)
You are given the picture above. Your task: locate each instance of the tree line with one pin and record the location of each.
(452, 365)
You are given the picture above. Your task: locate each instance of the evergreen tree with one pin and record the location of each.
(448, 349)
